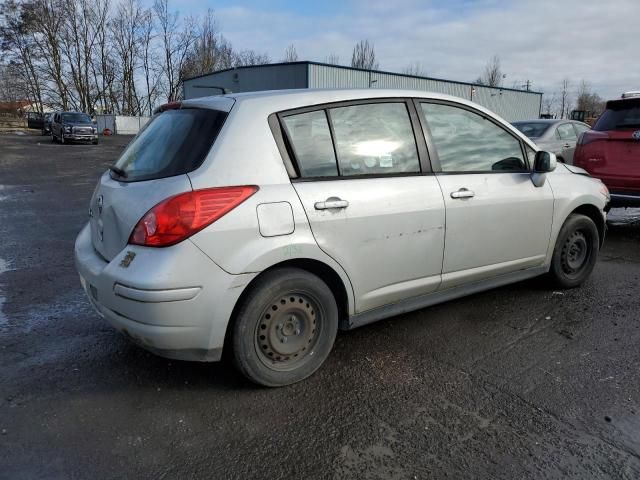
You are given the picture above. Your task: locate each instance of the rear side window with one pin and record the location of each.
(619, 115)
(174, 142)
(374, 139)
(311, 141)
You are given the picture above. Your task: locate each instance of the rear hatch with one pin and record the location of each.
(611, 151)
(152, 168)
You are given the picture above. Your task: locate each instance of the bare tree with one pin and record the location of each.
(176, 44)
(333, 59)
(17, 40)
(548, 103)
(250, 57)
(587, 100)
(492, 75)
(364, 56)
(149, 60)
(564, 98)
(126, 32)
(416, 69)
(290, 54)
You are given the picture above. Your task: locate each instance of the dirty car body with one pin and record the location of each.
(261, 222)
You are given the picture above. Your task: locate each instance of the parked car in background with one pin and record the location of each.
(346, 207)
(611, 151)
(35, 120)
(69, 127)
(557, 136)
(46, 124)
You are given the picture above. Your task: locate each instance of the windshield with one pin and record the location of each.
(172, 143)
(532, 129)
(76, 118)
(619, 115)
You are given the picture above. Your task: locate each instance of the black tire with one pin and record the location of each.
(53, 138)
(62, 141)
(576, 251)
(95, 142)
(285, 327)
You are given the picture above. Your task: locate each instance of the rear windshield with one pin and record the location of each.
(174, 142)
(619, 115)
(533, 129)
(76, 117)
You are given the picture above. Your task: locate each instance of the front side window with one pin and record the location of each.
(566, 132)
(374, 139)
(310, 139)
(468, 142)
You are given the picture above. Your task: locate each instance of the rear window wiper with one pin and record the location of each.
(118, 171)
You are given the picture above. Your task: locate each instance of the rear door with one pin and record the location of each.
(152, 168)
(497, 220)
(372, 203)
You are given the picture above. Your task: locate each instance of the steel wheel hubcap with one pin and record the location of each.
(287, 330)
(575, 252)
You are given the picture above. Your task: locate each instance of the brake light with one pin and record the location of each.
(592, 136)
(177, 218)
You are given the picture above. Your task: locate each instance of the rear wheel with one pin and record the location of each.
(576, 251)
(285, 327)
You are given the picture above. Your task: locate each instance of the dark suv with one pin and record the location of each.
(611, 151)
(67, 127)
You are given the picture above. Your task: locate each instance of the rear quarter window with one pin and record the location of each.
(174, 142)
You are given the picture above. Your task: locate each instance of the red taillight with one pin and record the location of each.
(592, 136)
(177, 218)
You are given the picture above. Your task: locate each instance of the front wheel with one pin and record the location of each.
(576, 251)
(285, 327)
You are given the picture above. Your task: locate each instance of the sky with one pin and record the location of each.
(542, 41)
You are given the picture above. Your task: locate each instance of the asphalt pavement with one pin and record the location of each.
(519, 382)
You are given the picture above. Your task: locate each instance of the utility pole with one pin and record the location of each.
(527, 85)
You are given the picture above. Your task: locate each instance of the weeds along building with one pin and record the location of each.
(509, 103)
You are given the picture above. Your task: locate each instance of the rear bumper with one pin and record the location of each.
(630, 199)
(172, 301)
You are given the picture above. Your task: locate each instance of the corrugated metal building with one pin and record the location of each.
(510, 104)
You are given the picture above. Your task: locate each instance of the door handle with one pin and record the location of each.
(330, 203)
(566, 145)
(463, 193)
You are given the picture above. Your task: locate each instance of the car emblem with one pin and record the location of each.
(636, 135)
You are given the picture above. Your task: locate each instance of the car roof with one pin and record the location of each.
(290, 99)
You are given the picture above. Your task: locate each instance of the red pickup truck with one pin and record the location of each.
(611, 150)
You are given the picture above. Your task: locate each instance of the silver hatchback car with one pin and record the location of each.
(263, 222)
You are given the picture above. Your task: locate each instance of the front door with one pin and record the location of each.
(497, 220)
(369, 204)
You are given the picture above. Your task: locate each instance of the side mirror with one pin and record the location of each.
(544, 162)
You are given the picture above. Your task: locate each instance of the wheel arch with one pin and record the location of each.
(323, 271)
(594, 213)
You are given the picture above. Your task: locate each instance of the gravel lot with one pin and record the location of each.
(518, 382)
